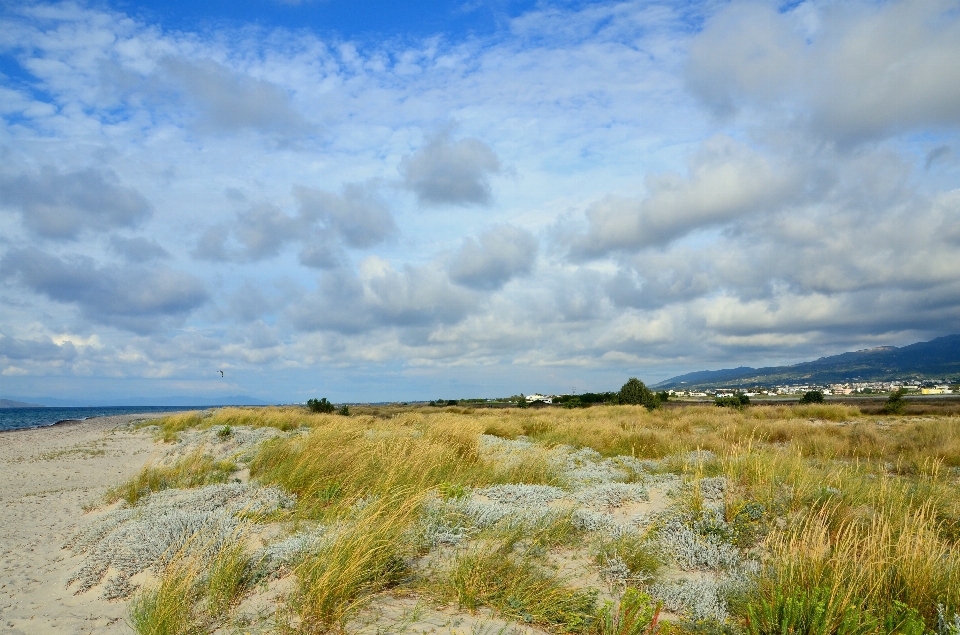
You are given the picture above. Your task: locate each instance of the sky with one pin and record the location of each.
(378, 201)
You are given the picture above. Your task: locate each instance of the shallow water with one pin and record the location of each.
(19, 418)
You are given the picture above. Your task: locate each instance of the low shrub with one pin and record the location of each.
(812, 396)
(738, 401)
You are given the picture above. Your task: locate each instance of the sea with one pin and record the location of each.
(19, 418)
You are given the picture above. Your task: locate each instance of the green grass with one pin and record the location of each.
(520, 587)
(639, 554)
(635, 614)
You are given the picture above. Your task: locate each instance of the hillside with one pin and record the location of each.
(10, 403)
(936, 359)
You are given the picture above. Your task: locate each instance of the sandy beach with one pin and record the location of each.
(47, 475)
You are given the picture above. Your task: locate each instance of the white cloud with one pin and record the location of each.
(497, 256)
(448, 172)
(855, 70)
(727, 181)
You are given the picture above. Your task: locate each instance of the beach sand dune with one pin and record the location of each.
(46, 477)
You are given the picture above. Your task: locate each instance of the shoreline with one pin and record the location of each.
(48, 476)
(72, 421)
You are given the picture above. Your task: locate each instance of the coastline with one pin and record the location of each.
(47, 475)
(12, 419)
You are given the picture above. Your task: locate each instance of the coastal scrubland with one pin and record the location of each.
(814, 519)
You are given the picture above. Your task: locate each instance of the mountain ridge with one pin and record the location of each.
(935, 359)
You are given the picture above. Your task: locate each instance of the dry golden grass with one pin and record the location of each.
(194, 592)
(858, 511)
(367, 554)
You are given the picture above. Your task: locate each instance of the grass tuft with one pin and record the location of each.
(193, 470)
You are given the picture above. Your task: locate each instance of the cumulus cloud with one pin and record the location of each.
(381, 296)
(497, 256)
(854, 70)
(263, 230)
(55, 204)
(448, 172)
(139, 300)
(358, 216)
(229, 101)
(139, 249)
(326, 222)
(36, 350)
(727, 180)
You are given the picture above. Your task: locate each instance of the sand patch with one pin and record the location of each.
(401, 614)
(47, 475)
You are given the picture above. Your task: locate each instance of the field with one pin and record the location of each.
(609, 520)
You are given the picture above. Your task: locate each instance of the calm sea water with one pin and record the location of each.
(17, 418)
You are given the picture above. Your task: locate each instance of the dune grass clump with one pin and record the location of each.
(194, 591)
(193, 470)
(337, 463)
(368, 553)
(890, 569)
(283, 418)
(519, 586)
(635, 614)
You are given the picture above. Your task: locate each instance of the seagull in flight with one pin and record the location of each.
(221, 373)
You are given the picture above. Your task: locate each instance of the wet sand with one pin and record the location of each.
(47, 475)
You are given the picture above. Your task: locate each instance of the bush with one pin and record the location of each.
(664, 396)
(344, 410)
(320, 405)
(634, 392)
(738, 401)
(813, 396)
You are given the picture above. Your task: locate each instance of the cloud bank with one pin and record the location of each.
(590, 193)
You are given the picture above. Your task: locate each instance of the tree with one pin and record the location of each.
(320, 405)
(895, 403)
(635, 392)
(522, 402)
(813, 396)
(664, 396)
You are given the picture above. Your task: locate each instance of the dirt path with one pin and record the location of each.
(46, 476)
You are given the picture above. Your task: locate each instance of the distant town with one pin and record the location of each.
(944, 387)
(908, 386)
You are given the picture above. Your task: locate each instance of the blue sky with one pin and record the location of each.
(372, 201)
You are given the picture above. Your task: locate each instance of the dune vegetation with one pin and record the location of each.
(806, 519)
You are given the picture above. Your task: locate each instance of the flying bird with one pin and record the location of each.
(221, 373)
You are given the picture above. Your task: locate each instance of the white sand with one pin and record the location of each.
(46, 476)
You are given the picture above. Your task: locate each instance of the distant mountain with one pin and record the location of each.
(235, 400)
(936, 359)
(10, 403)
